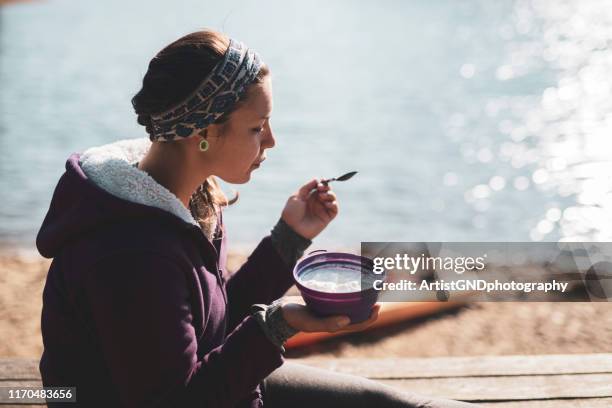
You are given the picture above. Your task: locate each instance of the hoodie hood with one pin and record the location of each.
(102, 185)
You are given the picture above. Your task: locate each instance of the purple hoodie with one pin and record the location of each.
(137, 310)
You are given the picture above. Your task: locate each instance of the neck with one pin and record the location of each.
(172, 168)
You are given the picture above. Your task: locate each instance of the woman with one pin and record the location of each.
(137, 311)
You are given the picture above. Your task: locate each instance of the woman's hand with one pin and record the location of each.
(298, 316)
(309, 213)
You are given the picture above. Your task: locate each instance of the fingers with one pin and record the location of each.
(328, 198)
(323, 187)
(331, 208)
(342, 323)
(320, 187)
(305, 189)
(300, 317)
(362, 325)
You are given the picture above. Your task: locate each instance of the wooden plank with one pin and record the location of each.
(498, 381)
(553, 403)
(19, 369)
(441, 367)
(27, 369)
(510, 388)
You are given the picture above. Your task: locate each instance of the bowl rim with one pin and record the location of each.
(311, 258)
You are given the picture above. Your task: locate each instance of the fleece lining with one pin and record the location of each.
(111, 167)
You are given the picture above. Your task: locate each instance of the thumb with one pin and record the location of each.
(305, 189)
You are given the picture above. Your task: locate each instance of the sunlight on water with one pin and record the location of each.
(576, 114)
(555, 143)
(572, 122)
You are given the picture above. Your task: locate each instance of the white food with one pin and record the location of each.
(333, 279)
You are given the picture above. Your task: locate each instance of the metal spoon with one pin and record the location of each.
(343, 177)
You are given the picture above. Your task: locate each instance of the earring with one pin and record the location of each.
(203, 145)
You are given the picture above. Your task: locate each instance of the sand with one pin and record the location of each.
(477, 329)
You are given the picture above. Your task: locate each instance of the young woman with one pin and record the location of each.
(137, 308)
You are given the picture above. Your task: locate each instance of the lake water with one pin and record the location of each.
(471, 120)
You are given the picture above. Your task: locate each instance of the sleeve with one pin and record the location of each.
(270, 318)
(142, 318)
(267, 273)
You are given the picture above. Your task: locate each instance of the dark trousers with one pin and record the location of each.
(298, 385)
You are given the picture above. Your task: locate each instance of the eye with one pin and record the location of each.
(258, 129)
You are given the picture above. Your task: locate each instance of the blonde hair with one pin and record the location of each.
(205, 204)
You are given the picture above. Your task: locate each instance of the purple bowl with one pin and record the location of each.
(357, 305)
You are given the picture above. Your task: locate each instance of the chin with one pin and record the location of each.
(237, 179)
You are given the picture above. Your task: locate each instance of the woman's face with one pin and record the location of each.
(237, 147)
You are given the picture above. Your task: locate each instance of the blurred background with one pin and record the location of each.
(468, 120)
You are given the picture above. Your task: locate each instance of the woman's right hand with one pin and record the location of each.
(298, 316)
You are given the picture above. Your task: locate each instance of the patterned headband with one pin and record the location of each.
(216, 95)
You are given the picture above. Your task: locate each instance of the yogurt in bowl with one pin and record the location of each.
(337, 283)
(332, 277)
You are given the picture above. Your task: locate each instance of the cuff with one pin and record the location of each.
(270, 318)
(289, 244)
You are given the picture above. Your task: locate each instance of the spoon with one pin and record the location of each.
(343, 177)
(340, 178)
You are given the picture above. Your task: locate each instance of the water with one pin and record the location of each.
(467, 121)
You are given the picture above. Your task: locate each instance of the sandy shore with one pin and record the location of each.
(478, 329)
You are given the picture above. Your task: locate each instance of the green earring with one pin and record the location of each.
(203, 145)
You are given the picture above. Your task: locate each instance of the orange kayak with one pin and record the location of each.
(390, 313)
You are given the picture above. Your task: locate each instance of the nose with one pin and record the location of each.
(270, 140)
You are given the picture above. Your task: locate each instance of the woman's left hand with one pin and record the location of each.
(309, 213)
